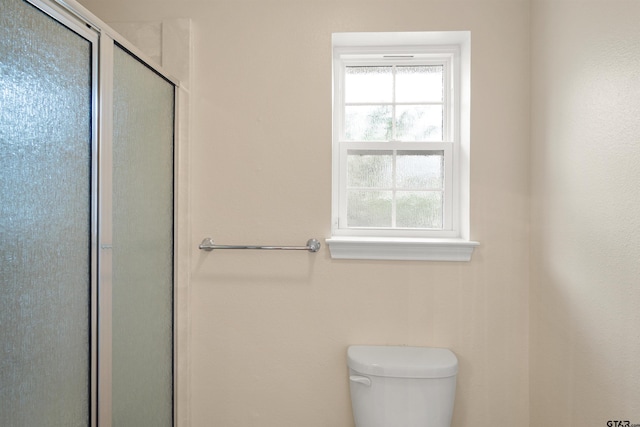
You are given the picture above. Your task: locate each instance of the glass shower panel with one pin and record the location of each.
(45, 220)
(142, 245)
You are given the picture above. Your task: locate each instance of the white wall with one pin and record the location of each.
(585, 289)
(269, 331)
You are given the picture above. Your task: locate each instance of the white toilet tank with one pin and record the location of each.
(402, 386)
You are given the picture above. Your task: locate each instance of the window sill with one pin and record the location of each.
(408, 249)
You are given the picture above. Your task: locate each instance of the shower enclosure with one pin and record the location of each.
(86, 223)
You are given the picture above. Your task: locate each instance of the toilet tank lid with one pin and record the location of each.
(402, 362)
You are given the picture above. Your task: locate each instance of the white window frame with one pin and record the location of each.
(451, 243)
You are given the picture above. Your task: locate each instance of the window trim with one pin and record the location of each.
(452, 242)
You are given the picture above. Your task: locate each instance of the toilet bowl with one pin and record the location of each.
(402, 386)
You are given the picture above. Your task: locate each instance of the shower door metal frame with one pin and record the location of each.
(102, 38)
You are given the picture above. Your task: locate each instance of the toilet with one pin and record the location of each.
(397, 386)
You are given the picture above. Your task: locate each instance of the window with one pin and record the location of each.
(399, 129)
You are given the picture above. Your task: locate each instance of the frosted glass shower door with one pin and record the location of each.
(45, 220)
(142, 244)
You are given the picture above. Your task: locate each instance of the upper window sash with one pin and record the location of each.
(445, 56)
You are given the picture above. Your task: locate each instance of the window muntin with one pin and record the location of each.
(396, 144)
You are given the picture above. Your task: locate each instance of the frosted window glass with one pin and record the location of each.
(368, 169)
(419, 123)
(142, 245)
(419, 209)
(45, 167)
(420, 169)
(369, 208)
(368, 123)
(368, 84)
(419, 83)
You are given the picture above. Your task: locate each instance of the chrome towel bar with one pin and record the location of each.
(313, 245)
